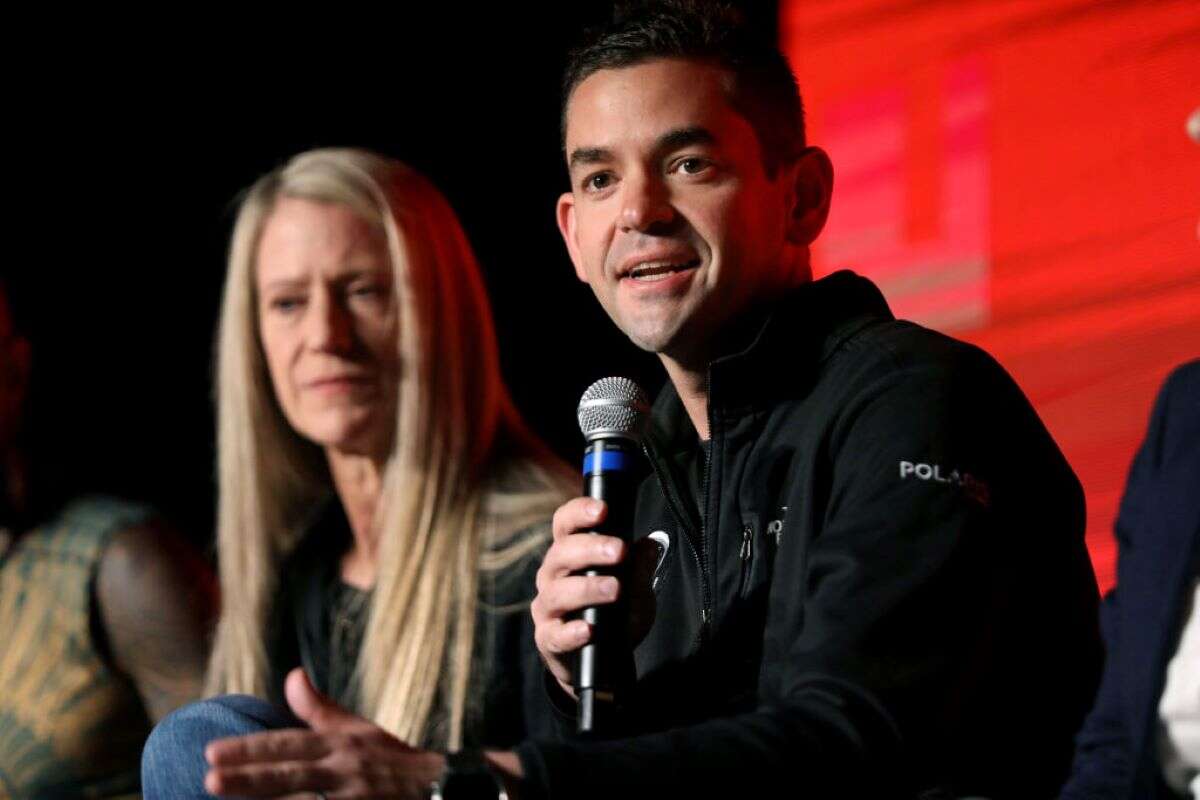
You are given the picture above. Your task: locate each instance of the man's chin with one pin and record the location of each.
(684, 338)
(652, 340)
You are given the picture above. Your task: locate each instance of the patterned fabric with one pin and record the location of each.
(347, 623)
(69, 725)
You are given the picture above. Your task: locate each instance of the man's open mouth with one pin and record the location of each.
(660, 270)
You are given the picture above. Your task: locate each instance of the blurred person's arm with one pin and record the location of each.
(154, 598)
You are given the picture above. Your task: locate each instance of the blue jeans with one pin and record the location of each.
(173, 764)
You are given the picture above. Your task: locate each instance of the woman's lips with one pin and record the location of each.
(340, 382)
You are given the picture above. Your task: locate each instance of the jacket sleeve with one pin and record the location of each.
(1102, 768)
(868, 622)
(1103, 765)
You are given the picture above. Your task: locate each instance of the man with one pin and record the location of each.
(875, 583)
(103, 613)
(1142, 739)
(878, 582)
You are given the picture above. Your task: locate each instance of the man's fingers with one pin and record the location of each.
(559, 638)
(578, 514)
(562, 591)
(577, 553)
(293, 744)
(573, 593)
(554, 640)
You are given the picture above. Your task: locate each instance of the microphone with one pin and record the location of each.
(612, 414)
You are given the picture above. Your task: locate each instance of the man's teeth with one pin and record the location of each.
(658, 270)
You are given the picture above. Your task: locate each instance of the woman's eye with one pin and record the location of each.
(286, 304)
(368, 291)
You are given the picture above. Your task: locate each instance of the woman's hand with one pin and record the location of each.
(340, 756)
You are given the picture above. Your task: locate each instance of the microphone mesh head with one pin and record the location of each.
(613, 407)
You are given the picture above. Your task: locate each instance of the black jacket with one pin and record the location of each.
(886, 594)
(1158, 534)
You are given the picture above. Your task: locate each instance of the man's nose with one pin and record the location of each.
(645, 204)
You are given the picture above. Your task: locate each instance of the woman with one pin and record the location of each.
(358, 375)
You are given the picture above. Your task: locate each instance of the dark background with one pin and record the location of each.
(136, 150)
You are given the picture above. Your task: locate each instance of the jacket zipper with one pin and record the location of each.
(709, 502)
(674, 504)
(697, 547)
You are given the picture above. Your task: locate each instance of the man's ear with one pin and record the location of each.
(811, 177)
(564, 213)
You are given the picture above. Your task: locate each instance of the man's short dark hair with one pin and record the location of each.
(763, 88)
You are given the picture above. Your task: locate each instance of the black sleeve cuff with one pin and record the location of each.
(564, 706)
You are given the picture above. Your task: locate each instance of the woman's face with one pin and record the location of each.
(327, 318)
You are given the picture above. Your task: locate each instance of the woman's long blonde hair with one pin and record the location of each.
(463, 479)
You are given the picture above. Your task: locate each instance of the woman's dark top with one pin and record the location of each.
(318, 623)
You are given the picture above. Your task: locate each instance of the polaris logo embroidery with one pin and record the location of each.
(775, 526)
(975, 488)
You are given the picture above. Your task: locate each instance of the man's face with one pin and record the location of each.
(671, 218)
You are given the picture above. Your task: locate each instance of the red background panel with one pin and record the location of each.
(1017, 173)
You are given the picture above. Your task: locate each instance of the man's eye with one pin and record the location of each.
(598, 182)
(693, 166)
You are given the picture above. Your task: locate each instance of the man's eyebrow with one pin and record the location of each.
(685, 137)
(588, 155)
(671, 140)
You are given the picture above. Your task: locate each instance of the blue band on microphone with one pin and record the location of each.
(610, 461)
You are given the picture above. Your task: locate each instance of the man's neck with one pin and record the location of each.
(691, 383)
(688, 370)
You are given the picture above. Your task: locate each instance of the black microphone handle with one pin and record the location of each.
(606, 662)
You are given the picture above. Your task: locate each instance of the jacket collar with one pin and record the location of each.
(796, 334)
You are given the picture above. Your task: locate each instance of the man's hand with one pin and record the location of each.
(561, 592)
(342, 755)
